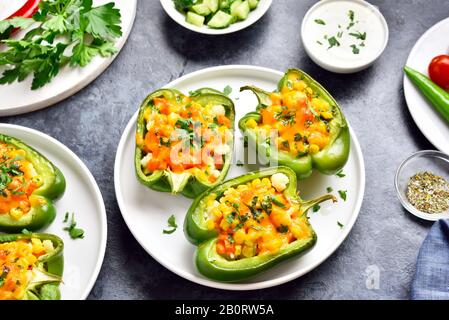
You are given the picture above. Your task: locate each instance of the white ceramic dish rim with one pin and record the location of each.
(179, 18)
(407, 206)
(68, 93)
(235, 286)
(356, 67)
(415, 115)
(98, 197)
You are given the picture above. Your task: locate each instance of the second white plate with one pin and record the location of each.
(146, 211)
(433, 43)
(82, 257)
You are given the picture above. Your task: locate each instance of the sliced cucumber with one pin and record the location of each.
(195, 19)
(202, 9)
(242, 11)
(220, 20)
(225, 4)
(234, 6)
(253, 4)
(212, 4)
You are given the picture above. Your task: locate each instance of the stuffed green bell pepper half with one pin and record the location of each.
(250, 223)
(184, 144)
(29, 183)
(31, 266)
(300, 126)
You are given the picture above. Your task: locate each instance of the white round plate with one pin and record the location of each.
(8, 8)
(146, 211)
(82, 257)
(253, 17)
(428, 120)
(18, 98)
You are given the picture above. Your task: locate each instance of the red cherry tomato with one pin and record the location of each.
(27, 10)
(439, 71)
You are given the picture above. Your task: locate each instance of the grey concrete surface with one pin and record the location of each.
(385, 236)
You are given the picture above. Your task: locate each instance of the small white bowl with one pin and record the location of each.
(432, 161)
(253, 17)
(337, 65)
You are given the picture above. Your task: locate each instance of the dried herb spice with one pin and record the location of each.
(428, 192)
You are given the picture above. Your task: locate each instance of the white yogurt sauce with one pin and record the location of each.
(8, 7)
(335, 15)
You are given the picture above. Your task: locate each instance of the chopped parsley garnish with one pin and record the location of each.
(74, 232)
(355, 50)
(287, 118)
(358, 35)
(319, 42)
(227, 90)
(3, 275)
(340, 174)
(320, 21)
(164, 142)
(316, 208)
(194, 93)
(230, 217)
(343, 194)
(298, 137)
(172, 224)
(340, 34)
(341, 225)
(282, 229)
(333, 42)
(351, 16)
(238, 227)
(329, 189)
(278, 203)
(266, 204)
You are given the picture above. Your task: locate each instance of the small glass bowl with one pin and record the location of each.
(429, 160)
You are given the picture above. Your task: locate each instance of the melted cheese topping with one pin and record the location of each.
(18, 180)
(299, 118)
(185, 137)
(17, 260)
(256, 218)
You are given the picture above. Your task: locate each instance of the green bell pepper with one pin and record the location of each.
(52, 187)
(329, 160)
(215, 266)
(47, 271)
(166, 180)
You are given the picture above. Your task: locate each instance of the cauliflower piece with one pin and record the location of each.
(146, 159)
(222, 149)
(279, 181)
(218, 110)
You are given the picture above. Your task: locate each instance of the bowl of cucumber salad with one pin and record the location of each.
(216, 16)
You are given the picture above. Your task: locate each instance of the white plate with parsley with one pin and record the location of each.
(83, 257)
(148, 213)
(56, 74)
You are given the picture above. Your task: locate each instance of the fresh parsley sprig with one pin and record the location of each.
(61, 32)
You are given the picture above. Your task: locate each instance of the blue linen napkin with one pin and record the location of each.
(431, 280)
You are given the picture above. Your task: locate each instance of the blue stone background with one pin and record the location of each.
(158, 51)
